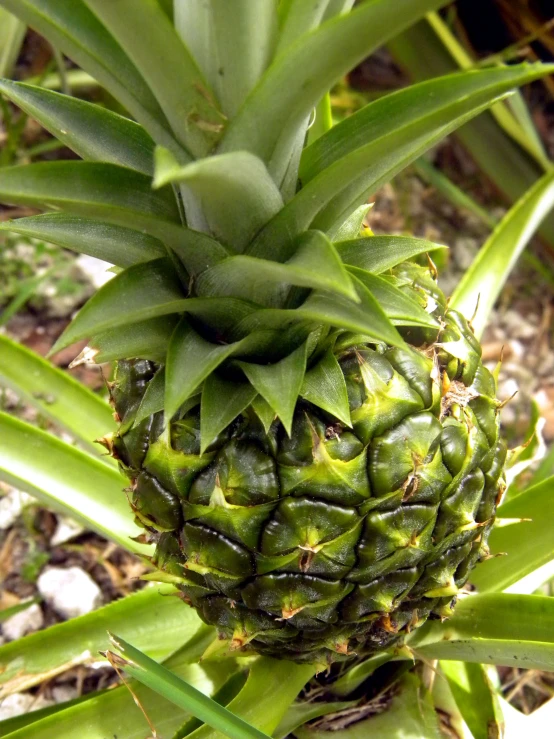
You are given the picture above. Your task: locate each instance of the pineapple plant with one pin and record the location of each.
(310, 437)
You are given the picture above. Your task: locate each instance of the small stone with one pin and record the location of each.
(518, 327)
(64, 693)
(24, 622)
(95, 269)
(66, 529)
(11, 506)
(465, 250)
(20, 703)
(71, 592)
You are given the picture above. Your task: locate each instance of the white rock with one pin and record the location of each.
(11, 506)
(24, 622)
(66, 529)
(64, 693)
(19, 703)
(71, 592)
(95, 269)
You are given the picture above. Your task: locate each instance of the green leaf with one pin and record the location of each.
(150, 41)
(145, 339)
(12, 34)
(237, 195)
(378, 254)
(297, 17)
(496, 154)
(528, 545)
(410, 715)
(325, 387)
(72, 28)
(481, 284)
(351, 227)
(190, 359)
(153, 399)
(280, 383)
(115, 244)
(399, 307)
(315, 263)
(67, 479)
(371, 150)
(93, 132)
(358, 674)
(300, 713)
(366, 317)
(264, 411)
(151, 289)
(231, 42)
(271, 687)
(222, 402)
(114, 711)
(93, 189)
(492, 628)
(179, 692)
(294, 83)
(44, 654)
(55, 394)
(475, 698)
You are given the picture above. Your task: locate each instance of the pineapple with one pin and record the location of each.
(310, 436)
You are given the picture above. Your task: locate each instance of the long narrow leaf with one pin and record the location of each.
(150, 41)
(297, 80)
(114, 244)
(67, 479)
(42, 655)
(12, 33)
(179, 692)
(55, 394)
(481, 284)
(72, 28)
(475, 698)
(93, 132)
(231, 42)
(527, 545)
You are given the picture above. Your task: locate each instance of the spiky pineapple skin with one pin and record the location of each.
(336, 540)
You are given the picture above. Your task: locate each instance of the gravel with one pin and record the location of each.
(71, 592)
(25, 622)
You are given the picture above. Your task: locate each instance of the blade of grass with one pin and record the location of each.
(12, 33)
(179, 692)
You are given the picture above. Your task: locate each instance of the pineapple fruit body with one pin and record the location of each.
(332, 540)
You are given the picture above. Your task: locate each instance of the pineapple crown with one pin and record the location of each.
(230, 208)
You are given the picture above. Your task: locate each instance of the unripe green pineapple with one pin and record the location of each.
(346, 533)
(310, 436)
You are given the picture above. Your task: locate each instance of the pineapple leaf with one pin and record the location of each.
(475, 697)
(481, 284)
(231, 42)
(325, 387)
(67, 479)
(115, 244)
(153, 399)
(352, 226)
(378, 254)
(114, 194)
(93, 132)
(237, 194)
(336, 186)
(72, 28)
(315, 264)
(151, 289)
(399, 307)
(146, 339)
(529, 544)
(297, 17)
(280, 383)
(12, 35)
(222, 401)
(295, 82)
(264, 411)
(366, 318)
(150, 41)
(94, 189)
(54, 393)
(190, 360)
